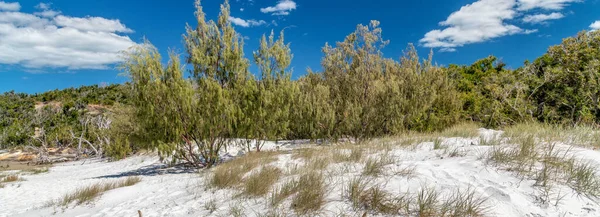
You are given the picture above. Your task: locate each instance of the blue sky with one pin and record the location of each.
(69, 43)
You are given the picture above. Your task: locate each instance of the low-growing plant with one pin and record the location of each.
(259, 183)
(374, 166)
(284, 191)
(211, 205)
(311, 193)
(583, 178)
(89, 193)
(11, 178)
(230, 174)
(464, 203)
(236, 211)
(427, 202)
(464, 130)
(354, 155)
(437, 144)
(374, 198)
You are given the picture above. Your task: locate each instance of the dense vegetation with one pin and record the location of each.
(359, 94)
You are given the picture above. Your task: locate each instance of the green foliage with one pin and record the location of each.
(565, 81)
(492, 94)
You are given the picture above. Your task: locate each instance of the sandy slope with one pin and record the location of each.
(177, 192)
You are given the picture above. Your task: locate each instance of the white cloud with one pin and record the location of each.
(448, 49)
(9, 6)
(43, 6)
(540, 18)
(92, 24)
(529, 31)
(246, 23)
(595, 25)
(242, 9)
(282, 8)
(46, 11)
(473, 23)
(39, 40)
(486, 20)
(525, 5)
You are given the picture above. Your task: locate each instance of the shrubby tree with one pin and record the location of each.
(491, 94)
(312, 116)
(276, 92)
(564, 82)
(191, 120)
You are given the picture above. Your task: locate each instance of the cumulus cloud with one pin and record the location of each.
(525, 5)
(36, 40)
(541, 18)
(485, 20)
(595, 25)
(282, 8)
(9, 6)
(246, 23)
(473, 23)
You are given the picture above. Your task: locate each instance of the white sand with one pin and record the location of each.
(171, 192)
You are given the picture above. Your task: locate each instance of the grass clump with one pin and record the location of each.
(464, 203)
(374, 166)
(38, 170)
(89, 193)
(464, 130)
(230, 174)
(583, 178)
(259, 183)
(547, 165)
(211, 205)
(284, 191)
(348, 155)
(311, 193)
(11, 178)
(437, 143)
(427, 202)
(374, 198)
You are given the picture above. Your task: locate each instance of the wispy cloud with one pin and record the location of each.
(246, 23)
(37, 40)
(525, 5)
(282, 8)
(541, 18)
(46, 10)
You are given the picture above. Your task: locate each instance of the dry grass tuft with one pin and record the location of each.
(11, 178)
(259, 183)
(374, 166)
(230, 174)
(355, 155)
(211, 205)
(89, 193)
(437, 143)
(427, 202)
(464, 130)
(38, 170)
(311, 193)
(547, 165)
(284, 191)
(464, 203)
(374, 198)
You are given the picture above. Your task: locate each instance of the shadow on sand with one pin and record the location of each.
(154, 170)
